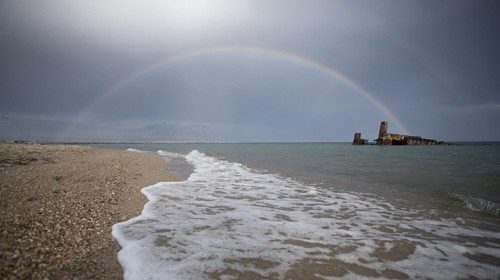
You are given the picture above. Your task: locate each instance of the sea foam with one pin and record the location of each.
(227, 221)
(135, 150)
(479, 204)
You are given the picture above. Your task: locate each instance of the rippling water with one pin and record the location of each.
(424, 173)
(310, 211)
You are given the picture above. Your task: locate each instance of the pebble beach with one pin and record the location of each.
(59, 202)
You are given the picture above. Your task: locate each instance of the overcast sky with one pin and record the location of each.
(434, 64)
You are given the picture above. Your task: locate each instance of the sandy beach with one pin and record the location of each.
(59, 202)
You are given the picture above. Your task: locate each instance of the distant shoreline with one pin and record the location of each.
(59, 203)
(448, 143)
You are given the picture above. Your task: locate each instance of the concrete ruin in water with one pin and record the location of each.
(385, 138)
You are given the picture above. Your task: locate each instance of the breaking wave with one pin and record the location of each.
(228, 222)
(169, 154)
(135, 150)
(479, 204)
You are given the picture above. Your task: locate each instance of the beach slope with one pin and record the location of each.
(59, 202)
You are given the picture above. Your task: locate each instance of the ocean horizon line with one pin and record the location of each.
(219, 142)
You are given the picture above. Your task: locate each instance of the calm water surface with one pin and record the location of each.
(469, 169)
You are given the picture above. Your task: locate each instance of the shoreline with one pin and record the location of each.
(59, 203)
(301, 231)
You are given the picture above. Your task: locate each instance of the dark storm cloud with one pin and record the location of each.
(434, 63)
(28, 129)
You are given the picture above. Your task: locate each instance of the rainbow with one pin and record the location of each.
(275, 54)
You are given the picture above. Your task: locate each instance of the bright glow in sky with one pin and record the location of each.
(431, 64)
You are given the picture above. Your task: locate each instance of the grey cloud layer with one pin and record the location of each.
(433, 63)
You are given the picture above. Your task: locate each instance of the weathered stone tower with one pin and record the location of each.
(357, 136)
(385, 138)
(383, 129)
(358, 140)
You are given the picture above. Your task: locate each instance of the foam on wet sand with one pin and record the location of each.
(228, 221)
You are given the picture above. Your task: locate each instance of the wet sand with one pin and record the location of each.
(59, 202)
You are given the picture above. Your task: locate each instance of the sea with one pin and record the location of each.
(317, 211)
